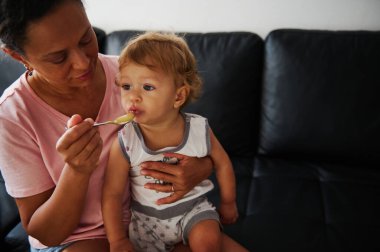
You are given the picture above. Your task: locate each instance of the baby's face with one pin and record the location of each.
(149, 94)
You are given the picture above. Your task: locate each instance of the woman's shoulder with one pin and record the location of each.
(110, 66)
(109, 60)
(14, 93)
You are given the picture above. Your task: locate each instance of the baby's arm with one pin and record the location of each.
(226, 180)
(113, 190)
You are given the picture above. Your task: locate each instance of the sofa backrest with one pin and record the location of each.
(8, 211)
(321, 96)
(230, 66)
(315, 181)
(10, 70)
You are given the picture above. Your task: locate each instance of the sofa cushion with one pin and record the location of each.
(297, 205)
(316, 180)
(16, 240)
(321, 95)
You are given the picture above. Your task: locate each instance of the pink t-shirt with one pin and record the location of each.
(29, 161)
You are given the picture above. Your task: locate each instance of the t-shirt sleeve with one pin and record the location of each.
(21, 162)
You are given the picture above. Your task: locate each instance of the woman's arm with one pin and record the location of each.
(52, 215)
(113, 190)
(184, 176)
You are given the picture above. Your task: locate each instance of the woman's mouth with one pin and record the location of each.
(85, 76)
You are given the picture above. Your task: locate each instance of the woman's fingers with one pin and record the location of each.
(184, 175)
(81, 144)
(91, 149)
(161, 171)
(171, 198)
(73, 144)
(74, 120)
(73, 134)
(166, 188)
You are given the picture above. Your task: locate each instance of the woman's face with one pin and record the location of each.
(62, 47)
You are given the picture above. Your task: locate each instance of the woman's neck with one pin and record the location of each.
(85, 101)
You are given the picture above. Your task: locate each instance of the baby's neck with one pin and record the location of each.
(169, 134)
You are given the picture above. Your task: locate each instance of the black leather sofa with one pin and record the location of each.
(299, 114)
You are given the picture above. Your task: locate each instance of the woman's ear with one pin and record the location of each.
(20, 58)
(15, 55)
(181, 95)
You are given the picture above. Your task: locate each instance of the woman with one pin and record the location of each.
(55, 174)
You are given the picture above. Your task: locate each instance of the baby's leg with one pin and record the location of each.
(206, 236)
(201, 230)
(228, 245)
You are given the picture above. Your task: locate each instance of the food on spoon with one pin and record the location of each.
(125, 118)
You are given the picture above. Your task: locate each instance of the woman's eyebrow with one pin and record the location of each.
(55, 53)
(52, 54)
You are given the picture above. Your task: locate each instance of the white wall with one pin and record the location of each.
(259, 16)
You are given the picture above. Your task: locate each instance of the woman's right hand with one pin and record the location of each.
(81, 145)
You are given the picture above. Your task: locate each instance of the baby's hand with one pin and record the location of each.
(228, 213)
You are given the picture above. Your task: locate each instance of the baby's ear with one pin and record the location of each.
(181, 95)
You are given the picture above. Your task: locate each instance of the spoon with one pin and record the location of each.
(119, 120)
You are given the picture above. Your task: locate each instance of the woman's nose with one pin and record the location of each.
(80, 60)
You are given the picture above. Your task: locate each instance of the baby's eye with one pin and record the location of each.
(148, 87)
(126, 86)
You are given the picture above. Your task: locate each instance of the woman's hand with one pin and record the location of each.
(81, 145)
(182, 177)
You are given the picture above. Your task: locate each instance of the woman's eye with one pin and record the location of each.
(148, 87)
(58, 60)
(126, 86)
(86, 41)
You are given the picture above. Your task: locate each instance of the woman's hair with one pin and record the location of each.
(167, 52)
(16, 15)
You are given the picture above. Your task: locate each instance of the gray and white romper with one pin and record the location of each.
(158, 227)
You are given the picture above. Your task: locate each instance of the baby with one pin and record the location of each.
(157, 77)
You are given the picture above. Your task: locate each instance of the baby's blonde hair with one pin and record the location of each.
(168, 52)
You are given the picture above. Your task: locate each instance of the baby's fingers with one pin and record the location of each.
(228, 220)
